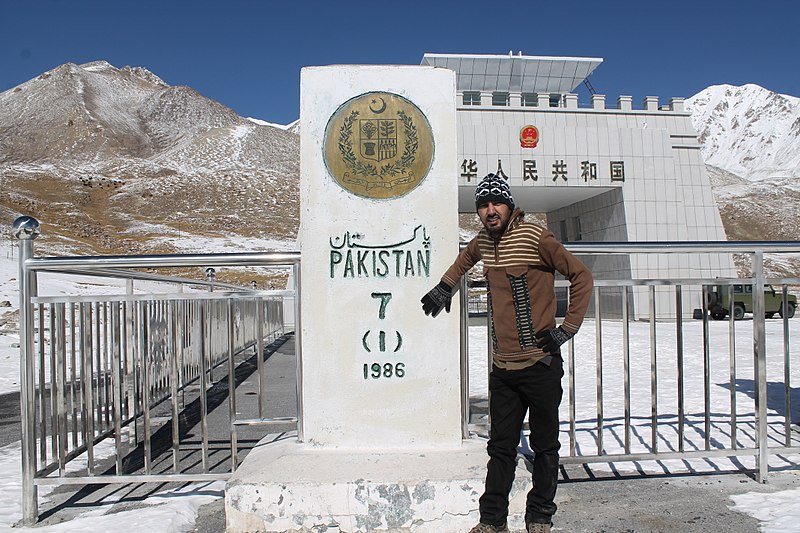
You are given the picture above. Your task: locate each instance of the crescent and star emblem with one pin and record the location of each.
(380, 109)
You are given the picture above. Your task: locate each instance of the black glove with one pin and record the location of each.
(550, 340)
(438, 298)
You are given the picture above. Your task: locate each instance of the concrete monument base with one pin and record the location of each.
(289, 486)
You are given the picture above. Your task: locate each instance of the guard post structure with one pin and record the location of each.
(380, 444)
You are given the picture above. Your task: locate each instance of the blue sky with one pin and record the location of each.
(247, 54)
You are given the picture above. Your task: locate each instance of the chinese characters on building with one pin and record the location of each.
(469, 170)
(556, 170)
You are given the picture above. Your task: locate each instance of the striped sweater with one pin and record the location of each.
(520, 274)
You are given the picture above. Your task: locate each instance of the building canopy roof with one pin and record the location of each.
(510, 73)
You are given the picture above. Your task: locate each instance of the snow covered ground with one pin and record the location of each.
(174, 511)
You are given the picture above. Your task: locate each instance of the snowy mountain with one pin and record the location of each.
(115, 160)
(751, 146)
(748, 131)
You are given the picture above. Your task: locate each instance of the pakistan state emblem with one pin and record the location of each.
(378, 145)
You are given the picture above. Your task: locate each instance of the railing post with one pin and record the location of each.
(25, 230)
(464, 357)
(598, 343)
(653, 372)
(787, 370)
(298, 348)
(732, 366)
(679, 360)
(760, 361)
(232, 385)
(706, 370)
(211, 275)
(626, 368)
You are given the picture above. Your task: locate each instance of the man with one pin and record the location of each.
(520, 260)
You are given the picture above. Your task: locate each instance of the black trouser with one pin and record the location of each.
(513, 393)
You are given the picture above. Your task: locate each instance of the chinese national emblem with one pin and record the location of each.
(528, 137)
(378, 145)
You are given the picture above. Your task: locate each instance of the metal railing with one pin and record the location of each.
(680, 399)
(97, 368)
(119, 368)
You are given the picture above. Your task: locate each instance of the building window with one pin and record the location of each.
(530, 100)
(500, 99)
(555, 100)
(472, 98)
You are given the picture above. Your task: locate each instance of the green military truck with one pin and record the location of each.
(719, 305)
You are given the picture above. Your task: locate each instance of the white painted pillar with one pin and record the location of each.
(378, 228)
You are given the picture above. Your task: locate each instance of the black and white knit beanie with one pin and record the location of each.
(493, 189)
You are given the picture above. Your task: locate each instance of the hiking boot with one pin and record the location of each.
(487, 528)
(538, 527)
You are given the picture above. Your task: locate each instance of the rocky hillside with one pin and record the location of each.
(116, 161)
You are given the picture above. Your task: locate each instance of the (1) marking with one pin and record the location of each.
(381, 341)
(364, 341)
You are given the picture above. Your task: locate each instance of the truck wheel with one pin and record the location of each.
(718, 315)
(769, 315)
(712, 299)
(738, 312)
(790, 311)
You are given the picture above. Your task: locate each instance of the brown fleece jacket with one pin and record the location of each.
(520, 272)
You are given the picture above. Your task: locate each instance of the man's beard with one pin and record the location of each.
(496, 233)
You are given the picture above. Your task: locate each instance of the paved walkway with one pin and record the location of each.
(644, 504)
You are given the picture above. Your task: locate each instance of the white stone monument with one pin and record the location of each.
(378, 227)
(381, 444)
